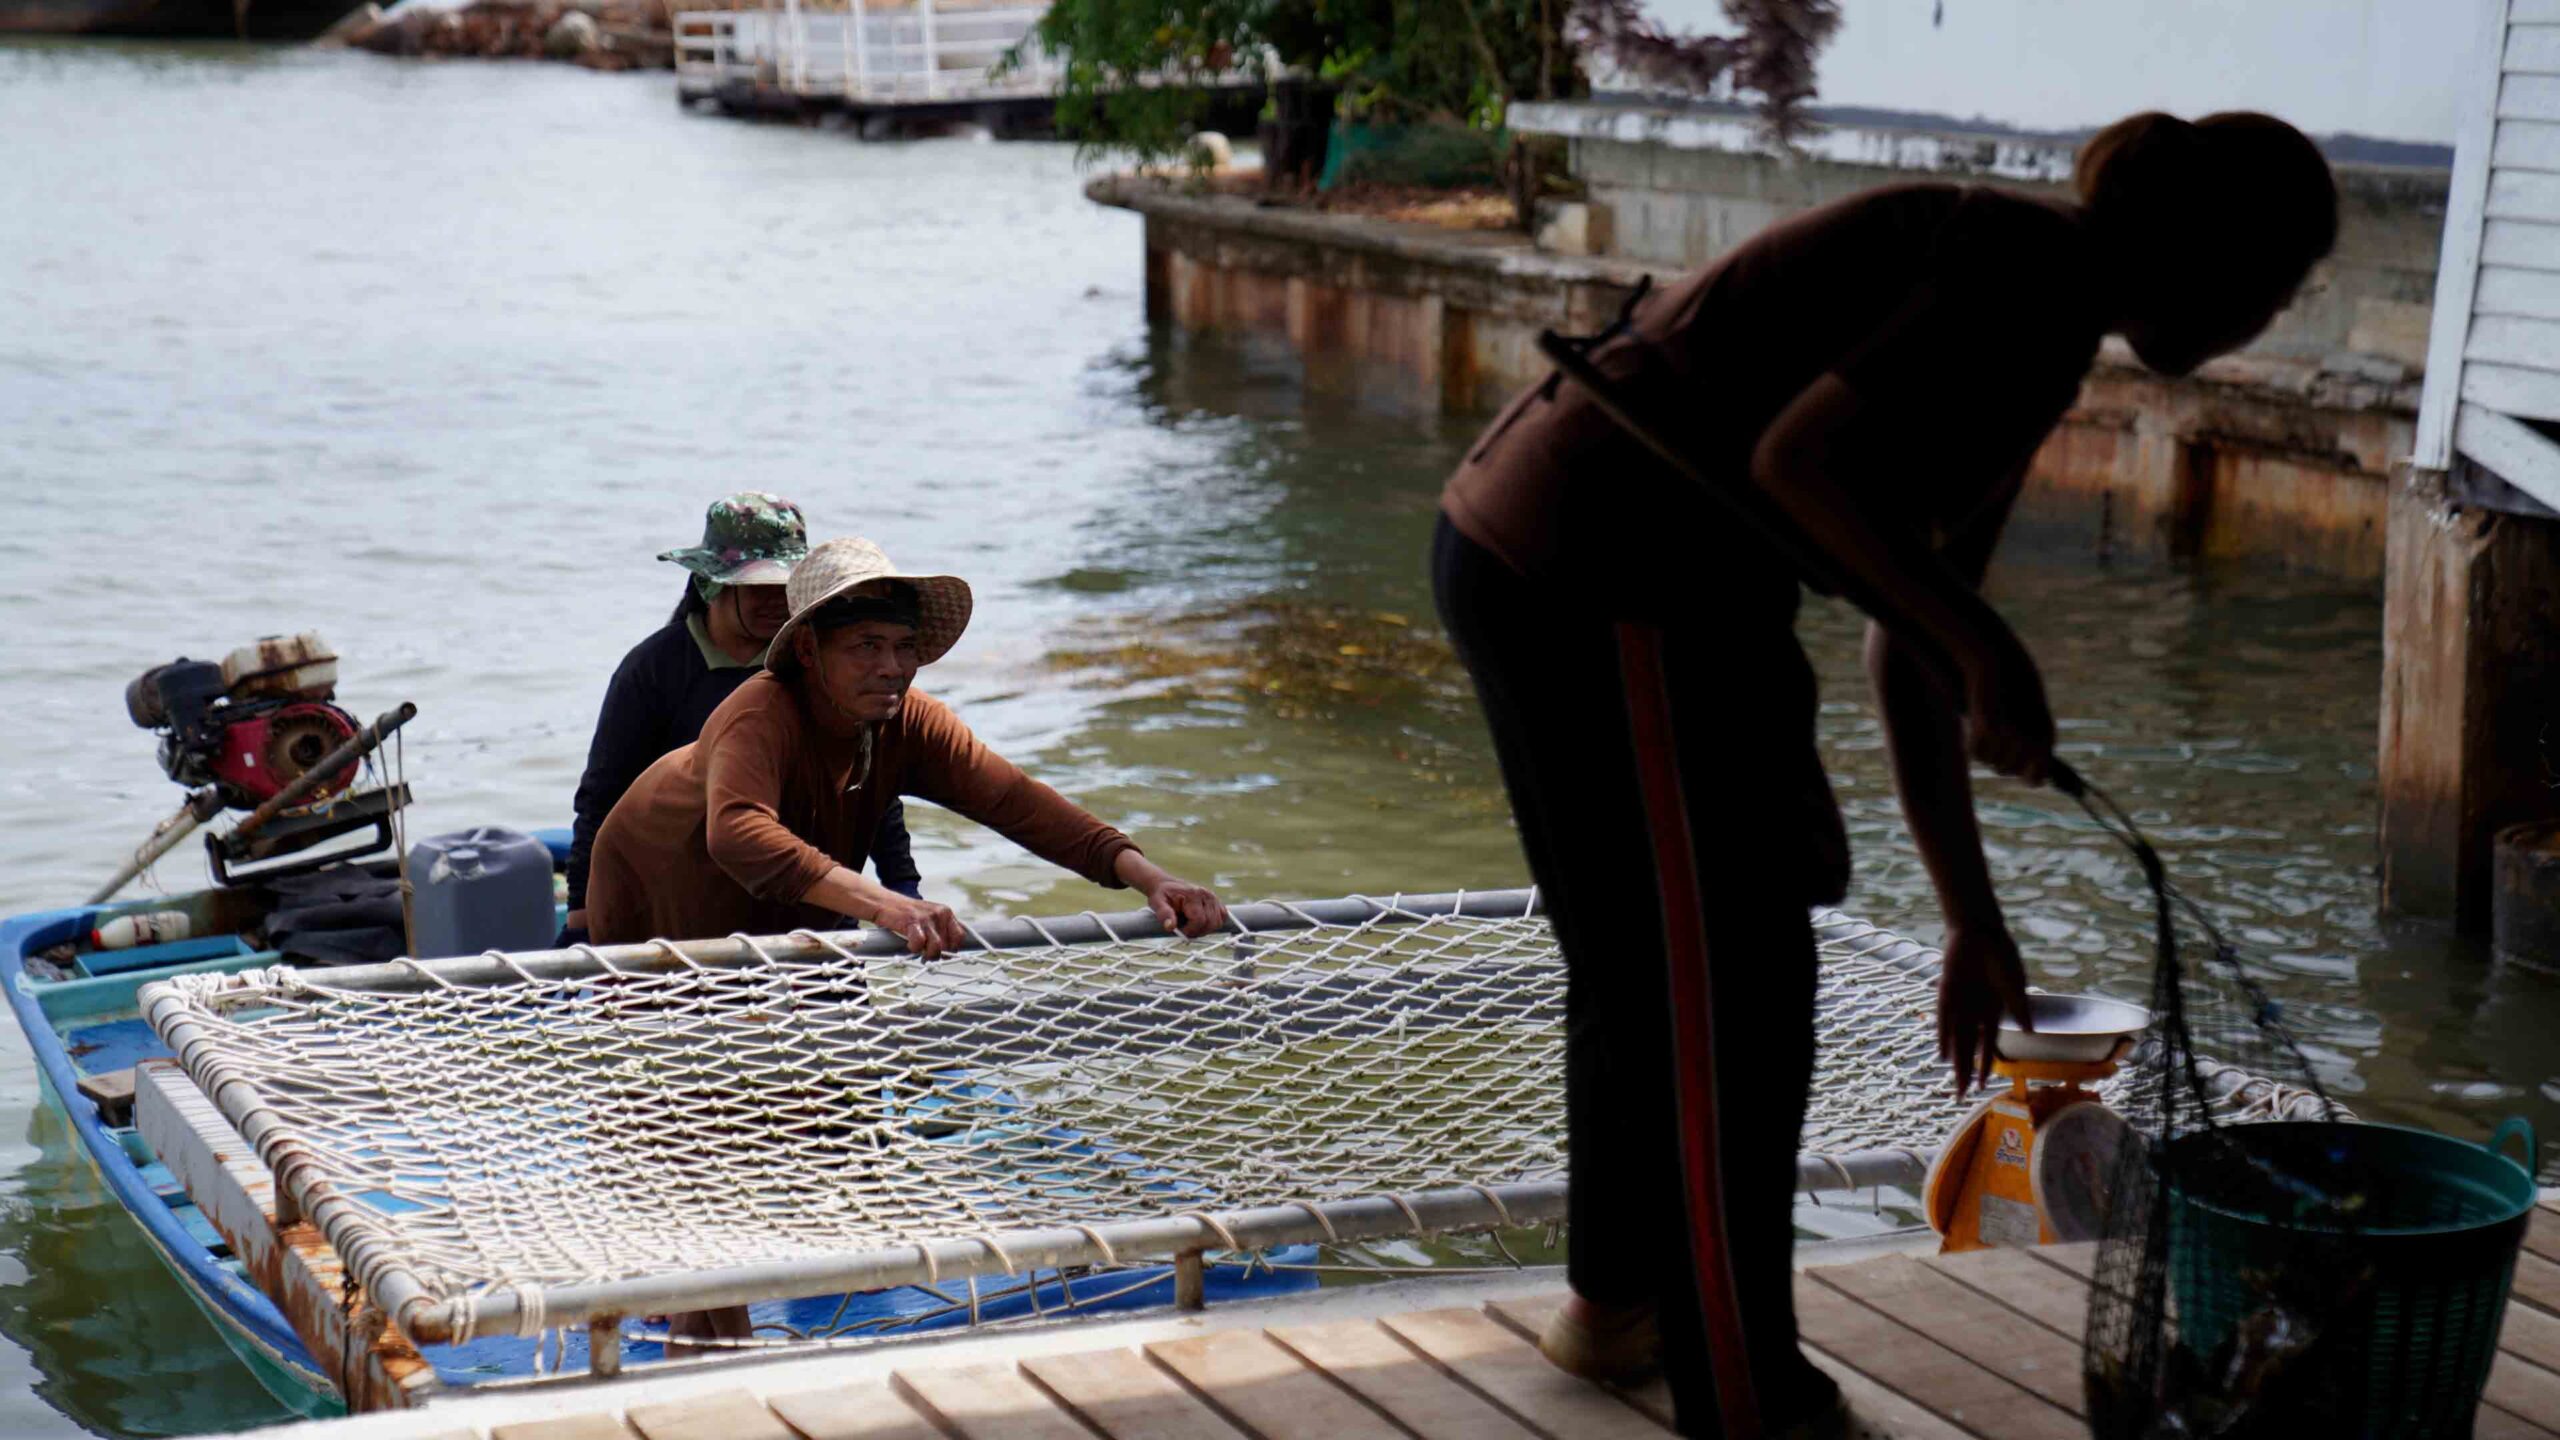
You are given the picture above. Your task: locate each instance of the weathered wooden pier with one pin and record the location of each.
(1980, 1346)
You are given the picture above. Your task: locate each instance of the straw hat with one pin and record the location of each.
(841, 567)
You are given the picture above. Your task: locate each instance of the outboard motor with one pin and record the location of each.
(250, 725)
(252, 732)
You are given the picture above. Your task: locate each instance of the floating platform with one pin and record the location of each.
(891, 68)
(919, 62)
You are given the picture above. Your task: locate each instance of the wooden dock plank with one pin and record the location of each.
(2080, 1260)
(865, 1410)
(1361, 1356)
(2531, 1334)
(1971, 1324)
(566, 1427)
(2025, 1284)
(1510, 1372)
(2521, 1387)
(987, 1401)
(1265, 1390)
(2538, 1281)
(1528, 1317)
(2542, 1232)
(1118, 1393)
(1883, 1414)
(1925, 1372)
(720, 1415)
(2496, 1424)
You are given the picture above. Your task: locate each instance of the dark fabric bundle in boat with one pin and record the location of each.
(342, 915)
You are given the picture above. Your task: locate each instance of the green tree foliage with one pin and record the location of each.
(1137, 70)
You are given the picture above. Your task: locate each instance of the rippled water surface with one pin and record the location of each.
(436, 358)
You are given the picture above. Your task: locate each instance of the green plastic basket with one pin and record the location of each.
(2405, 1296)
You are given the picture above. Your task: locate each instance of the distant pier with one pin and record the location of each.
(880, 66)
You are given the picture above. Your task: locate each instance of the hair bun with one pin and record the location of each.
(2155, 181)
(2137, 160)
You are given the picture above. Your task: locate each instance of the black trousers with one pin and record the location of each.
(1546, 667)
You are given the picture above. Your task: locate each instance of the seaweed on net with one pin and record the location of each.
(2251, 1362)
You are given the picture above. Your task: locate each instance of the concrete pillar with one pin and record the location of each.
(1159, 280)
(2470, 694)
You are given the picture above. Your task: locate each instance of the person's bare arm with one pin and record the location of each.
(928, 929)
(1180, 905)
(1981, 974)
(1797, 462)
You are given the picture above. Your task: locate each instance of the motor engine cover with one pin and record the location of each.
(263, 752)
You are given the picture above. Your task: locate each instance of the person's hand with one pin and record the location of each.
(1979, 979)
(2007, 722)
(1193, 910)
(928, 929)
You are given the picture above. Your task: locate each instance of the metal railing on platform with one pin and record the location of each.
(917, 53)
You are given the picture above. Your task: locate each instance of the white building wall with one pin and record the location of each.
(2493, 360)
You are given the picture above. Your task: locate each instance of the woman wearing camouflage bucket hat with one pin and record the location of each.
(671, 682)
(762, 824)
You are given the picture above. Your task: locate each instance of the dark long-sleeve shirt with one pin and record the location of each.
(659, 698)
(730, 833)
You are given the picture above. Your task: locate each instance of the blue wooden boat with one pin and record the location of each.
(80, 1017)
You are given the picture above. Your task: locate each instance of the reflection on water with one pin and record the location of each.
(2233, 712)
(108, 1338)
(435, 358)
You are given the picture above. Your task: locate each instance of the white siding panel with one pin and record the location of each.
(2513, 451)
(2534, 12)
(2521, 243)
(2534, 394)
(2527, 145)
(2507, 291)
(2523, 195)
(2533, 50)
(2465, 231)
(2511, 340)
(2529, 97)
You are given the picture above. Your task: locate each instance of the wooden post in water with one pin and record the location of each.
(2470, 694)
(932, 54)
(859, 86)
(2471, 601)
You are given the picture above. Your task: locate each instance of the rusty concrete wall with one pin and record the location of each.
(1445, 318)
(2259, 460)
(2237, 468)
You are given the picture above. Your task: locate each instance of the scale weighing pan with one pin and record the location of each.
(2072, 1029)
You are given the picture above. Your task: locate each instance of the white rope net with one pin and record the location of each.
(644, 1113)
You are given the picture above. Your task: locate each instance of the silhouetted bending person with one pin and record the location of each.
(1883, 368)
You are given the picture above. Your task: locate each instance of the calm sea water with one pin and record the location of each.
(435, 358)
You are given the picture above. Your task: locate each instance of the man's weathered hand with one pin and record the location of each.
(1979, 979)
(1182, 906)
(928, 929)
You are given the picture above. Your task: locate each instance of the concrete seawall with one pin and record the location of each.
(2265, 457)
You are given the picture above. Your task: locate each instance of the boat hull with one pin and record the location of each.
(174, 19)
